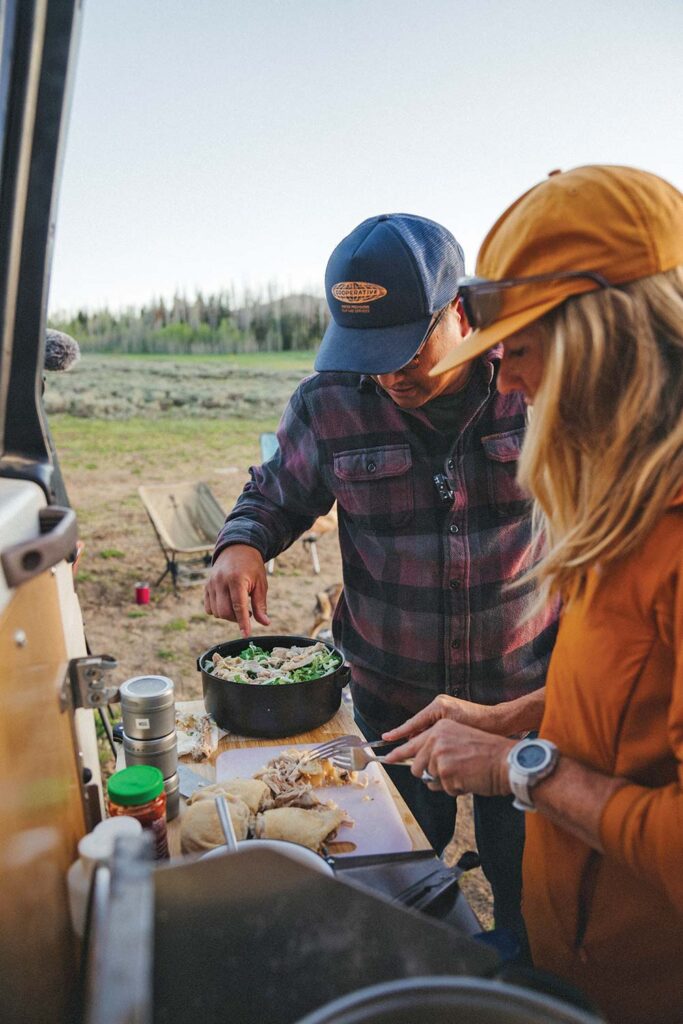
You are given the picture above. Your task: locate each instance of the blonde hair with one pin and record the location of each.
(603, 454)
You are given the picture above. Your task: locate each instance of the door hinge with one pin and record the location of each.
(85, 683)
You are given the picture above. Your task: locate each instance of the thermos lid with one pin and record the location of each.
(146, 693)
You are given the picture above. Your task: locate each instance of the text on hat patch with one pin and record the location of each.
(358, 292)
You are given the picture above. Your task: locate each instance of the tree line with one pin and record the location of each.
(202, 325)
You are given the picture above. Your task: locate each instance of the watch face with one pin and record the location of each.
(532, 756)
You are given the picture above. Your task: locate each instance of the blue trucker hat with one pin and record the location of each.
(383, 283)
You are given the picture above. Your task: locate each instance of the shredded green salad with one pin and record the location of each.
(279, 667)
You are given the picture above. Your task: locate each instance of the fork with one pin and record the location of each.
(355, 759)
(331, 747)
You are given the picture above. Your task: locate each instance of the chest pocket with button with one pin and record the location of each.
(375, 485)
(502, 452)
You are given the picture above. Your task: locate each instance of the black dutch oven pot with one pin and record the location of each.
(271, 711)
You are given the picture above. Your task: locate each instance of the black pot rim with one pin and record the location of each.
(274, 640)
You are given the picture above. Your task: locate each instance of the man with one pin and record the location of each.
(432, 525)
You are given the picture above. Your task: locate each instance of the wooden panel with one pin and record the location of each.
(41, 813)
(341, 725)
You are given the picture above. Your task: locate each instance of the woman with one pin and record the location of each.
(593, 337)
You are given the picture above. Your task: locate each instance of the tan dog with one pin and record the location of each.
(325, 603)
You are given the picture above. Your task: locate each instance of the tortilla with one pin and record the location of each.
(200, 828)
(307, 827)
(254, 792)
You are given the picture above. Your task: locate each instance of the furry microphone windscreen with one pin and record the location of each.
(61, 351)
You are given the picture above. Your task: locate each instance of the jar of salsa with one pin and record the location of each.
(139, 793)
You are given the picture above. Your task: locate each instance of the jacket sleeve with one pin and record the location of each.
(643, 827)
(285, 495)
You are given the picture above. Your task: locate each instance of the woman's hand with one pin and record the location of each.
(463, 759)
(479, 716)
(511, 718)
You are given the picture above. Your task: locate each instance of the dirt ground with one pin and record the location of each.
(103, 465)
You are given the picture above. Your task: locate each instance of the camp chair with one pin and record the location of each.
(186, 519)
(269, 446)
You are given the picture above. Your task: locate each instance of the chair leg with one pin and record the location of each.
(166, 570)
(312, 546)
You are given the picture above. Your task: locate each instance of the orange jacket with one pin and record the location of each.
(612, 923)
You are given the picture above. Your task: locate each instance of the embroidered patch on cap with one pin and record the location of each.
(358, 292)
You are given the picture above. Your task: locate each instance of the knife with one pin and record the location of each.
(190, 781)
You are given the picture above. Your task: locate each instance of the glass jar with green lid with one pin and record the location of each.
(139, 793)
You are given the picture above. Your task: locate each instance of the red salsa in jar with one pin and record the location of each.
(139, 793)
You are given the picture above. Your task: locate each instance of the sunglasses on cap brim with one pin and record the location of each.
(482, 298)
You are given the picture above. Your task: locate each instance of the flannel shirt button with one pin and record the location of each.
(371, 467)
(454, 584)
(454, 528)
(455, 644)
(450, 464)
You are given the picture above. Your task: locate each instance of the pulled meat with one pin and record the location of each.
(291, 777)
(269, 667)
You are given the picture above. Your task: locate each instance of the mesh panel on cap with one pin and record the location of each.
(439, 257)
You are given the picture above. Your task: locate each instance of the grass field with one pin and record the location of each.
(248, 386)
(145, 447)
(263, 362)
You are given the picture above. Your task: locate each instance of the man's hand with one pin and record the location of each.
(237, 583)
(479, 716)
(462, 759)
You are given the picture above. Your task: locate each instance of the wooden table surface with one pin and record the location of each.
(342, 724)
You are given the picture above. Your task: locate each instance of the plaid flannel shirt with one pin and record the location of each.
(425, 607)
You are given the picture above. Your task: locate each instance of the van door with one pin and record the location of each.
(41, 803)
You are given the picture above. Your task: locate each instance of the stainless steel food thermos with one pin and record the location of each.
(172, 788)
(147, 707)
(162, 753)
(149, 736)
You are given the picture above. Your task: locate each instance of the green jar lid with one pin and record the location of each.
(136, 785)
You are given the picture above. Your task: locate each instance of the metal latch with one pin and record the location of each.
(85, 683)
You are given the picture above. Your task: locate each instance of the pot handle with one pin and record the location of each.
(343, 676)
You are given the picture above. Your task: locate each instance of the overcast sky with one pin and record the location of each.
(237, 141)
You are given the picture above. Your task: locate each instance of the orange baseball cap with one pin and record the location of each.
(622, 223)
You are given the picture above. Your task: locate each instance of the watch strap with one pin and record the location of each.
(520, 790)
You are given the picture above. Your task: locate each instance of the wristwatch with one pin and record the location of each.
(530, 761)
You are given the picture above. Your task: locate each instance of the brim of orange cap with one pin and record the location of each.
(482, 340)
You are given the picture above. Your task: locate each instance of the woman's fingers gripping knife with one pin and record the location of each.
(438, 709)
(465, 760)
(424, 765)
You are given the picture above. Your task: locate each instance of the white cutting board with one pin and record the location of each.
(377, 824)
